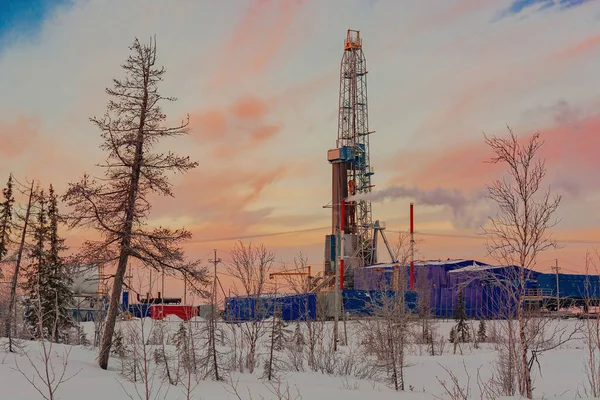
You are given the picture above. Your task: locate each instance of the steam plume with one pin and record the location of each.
(456, 200)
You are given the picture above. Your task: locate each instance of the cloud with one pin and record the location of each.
(437, 19)
(17, 136)
(240, 126)
(518, 7)
(583, 47)
(501, 89)
(256, 39)
(562, 113)
(226, 199)
(570, 150)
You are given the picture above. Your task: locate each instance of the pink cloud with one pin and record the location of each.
(257, 38)
(249, 108)
(572, 146)
(241, 126)
(18, 135)
(586, 46)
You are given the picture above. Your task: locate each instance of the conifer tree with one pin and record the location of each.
(59, 281)
(118, 204)
(6, 215)
(48, 282)
(481, 332)
(36, 285)
(452, 338)
(460, 316)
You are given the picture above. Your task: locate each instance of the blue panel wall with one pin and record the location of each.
(293, 307)
(484, 289)
(571, 285)
(366, 302)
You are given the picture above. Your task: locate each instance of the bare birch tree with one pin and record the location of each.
(118, 205)
(520, 230)
(47, 378)
(250, 265)
(591, 331)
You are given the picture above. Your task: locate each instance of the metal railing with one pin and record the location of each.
(537, 292)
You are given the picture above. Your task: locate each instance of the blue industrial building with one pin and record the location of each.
(489, 292)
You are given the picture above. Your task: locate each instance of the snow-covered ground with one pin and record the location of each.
(562, 373)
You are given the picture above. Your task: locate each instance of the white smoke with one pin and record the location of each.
(467, 209)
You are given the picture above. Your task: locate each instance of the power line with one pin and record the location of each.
(259, 235)
(421, 233)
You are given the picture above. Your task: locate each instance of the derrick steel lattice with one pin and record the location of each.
(353, 133)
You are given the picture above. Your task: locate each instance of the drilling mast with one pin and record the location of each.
(351, 169)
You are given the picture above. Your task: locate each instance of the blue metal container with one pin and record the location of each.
(298, 307)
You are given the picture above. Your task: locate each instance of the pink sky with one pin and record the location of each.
(260, 82)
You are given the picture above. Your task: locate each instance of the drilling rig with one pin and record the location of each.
(353, 240)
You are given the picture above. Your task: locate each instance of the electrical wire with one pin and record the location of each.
(259, 235)
(418, 233)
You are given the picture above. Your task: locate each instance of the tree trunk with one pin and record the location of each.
(527, 389)
(13, 288)
(113, 308)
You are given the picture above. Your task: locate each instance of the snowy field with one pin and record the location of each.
(561, 372)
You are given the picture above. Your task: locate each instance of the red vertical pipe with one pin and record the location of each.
(342, 228)
(412, 248)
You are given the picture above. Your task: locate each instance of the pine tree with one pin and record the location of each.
(460, 316)
(6, 215)
(481, 332)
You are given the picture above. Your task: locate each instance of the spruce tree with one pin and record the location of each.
(481, 332)
(460, 316)
(36, 285)
(6, 215)
(452, 338)
(59, 281)
(48, 282)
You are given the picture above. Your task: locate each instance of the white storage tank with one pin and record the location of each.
(85, 280)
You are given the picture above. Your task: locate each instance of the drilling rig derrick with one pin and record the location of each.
(351, 169)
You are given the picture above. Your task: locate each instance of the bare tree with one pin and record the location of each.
(118, 205)
(49, 377)
(315, 328)
(455, 390)
(520, 230)
(386, 335)
(250, 265)
(591, 331)
(137, 364)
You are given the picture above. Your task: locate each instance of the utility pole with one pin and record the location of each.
(184, 289)
(162, 294)
(150, 286)
(556, 269)
(214, 261)
(213, 318)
